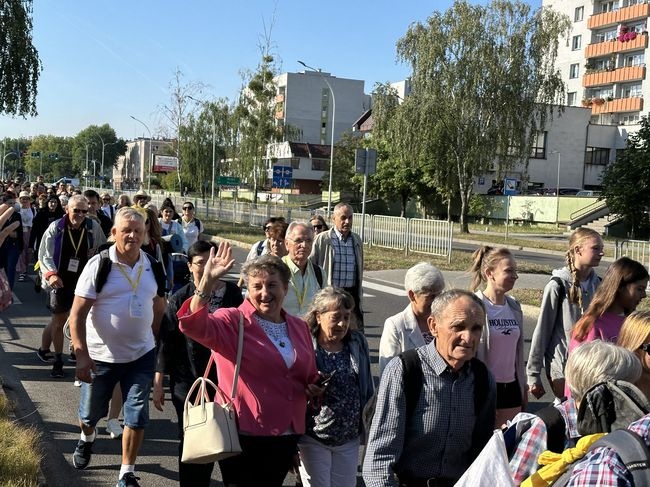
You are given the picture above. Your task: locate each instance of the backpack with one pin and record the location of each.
(260, 247)
(105, 265)
(318, 273)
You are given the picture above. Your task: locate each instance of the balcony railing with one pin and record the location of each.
(619, 16)
(615, 46)
(629, 73)
(632, 104)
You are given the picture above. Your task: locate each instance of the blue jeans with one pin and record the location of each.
(9, 261)
(135, 380)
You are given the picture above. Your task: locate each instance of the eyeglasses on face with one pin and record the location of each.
(317, 227)
(645, 347)
(300, 241)
(268, 228)
(106, 199)
(77, 211)
(188, 208)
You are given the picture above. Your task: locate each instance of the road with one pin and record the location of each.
(51, 405)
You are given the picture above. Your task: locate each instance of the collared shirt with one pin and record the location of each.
(302, 288)
(344, 270)
(443, 434)
(533, 441)
(603, 467)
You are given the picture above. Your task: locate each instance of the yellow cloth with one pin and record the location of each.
(557, 463)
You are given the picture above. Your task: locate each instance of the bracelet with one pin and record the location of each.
(201, 294)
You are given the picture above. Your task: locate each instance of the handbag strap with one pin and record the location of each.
(240, 349)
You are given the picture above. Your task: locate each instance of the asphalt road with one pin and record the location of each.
(51, 404)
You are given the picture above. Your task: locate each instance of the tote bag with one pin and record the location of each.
(210, 427)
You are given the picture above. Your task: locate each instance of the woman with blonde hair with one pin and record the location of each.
(635, 336)
(619, 294)
(566, 296)
(502, 341)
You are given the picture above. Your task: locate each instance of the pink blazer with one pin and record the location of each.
(270, 397)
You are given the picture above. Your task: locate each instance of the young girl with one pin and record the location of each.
(565, 297)
(502, 341)
(635, 336)
(619, 294)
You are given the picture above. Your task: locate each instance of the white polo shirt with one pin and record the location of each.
(112, 334)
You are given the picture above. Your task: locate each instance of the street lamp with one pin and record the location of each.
(101, 170)
(557, 187)
(329, 195)
(150, 152)
(214, 141)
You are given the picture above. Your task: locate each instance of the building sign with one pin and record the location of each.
(164, 163)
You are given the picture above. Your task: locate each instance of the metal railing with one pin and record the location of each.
(638, 250)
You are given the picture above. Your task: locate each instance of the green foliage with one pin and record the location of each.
(20, 66)
(482, 78)
(344, 177)
(87, 147)
(626, 183)
(55, 157)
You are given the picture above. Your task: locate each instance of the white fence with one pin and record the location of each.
(638, 250)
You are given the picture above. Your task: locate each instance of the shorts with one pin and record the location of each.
(135, 380)
(60, 300)
(508, 395)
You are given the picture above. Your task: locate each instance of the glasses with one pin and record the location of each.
(300, 241)
(645, 347)
(188, 208)
(317, 227)
(268, 229)
(77, 211)
(106, 199)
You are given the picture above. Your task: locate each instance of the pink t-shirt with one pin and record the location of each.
(605, 328)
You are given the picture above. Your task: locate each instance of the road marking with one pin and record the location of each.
(384, 289)
(16, 300)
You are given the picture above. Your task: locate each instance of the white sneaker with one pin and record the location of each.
(77, 383)
(114, 428)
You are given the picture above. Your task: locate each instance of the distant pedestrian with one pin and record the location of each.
(318, 224)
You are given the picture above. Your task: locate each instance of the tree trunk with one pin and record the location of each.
(449, 209)
(464, 200)
(405, 200)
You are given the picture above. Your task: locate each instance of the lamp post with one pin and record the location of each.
(557, 187)
(214, 142)
(329, 194)
(101, 169)
(150, 153)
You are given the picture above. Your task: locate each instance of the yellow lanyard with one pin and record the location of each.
(78, 245)
(134, 285)
(301, 299)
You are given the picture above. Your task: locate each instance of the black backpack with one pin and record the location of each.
(105, 265)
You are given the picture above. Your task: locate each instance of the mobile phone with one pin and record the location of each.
(325, 378)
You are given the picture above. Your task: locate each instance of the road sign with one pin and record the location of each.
(509, 187)
(228, 181)
(282, 176)
(363, 158)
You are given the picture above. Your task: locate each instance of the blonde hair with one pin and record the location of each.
(483, 259)
(635, 332)
(577, 239)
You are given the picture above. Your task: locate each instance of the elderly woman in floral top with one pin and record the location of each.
(329, 450)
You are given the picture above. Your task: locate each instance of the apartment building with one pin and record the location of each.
(133, 167)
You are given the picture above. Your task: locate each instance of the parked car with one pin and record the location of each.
(563, 191)
(588, 192)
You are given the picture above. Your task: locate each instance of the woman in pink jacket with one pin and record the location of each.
(278, 367)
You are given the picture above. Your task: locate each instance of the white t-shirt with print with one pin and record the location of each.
(504, 335)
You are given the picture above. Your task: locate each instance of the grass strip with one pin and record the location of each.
(19, 453)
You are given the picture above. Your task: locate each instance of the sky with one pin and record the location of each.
(104, 61)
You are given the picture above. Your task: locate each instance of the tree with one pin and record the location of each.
(53, 154)
(483, 78)
(344, 177)
(626, 182)
(88, 147)
(20, 65)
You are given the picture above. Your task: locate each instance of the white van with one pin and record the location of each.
(74, 181)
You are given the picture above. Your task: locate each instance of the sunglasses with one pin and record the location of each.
(317, 227)
(266, 229)
(106, 199)
(76, 211)
(645, 347)
(188, 208)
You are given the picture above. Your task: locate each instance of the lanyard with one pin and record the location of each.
(301, 299)
(78, 245)
(134, 285)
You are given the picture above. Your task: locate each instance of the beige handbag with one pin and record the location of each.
(210, 428)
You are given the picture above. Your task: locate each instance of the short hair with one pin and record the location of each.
(266, 263)
(635, 332)
(77, 198)
(339, 207)
(278, 230)
(128, 213)
(423, 277)
(199, 247)
(598, 361)
(325, 299)
(295, 224)
(445, 299)
(91, 193)
(273, 219)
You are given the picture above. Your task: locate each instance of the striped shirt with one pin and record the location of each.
(441, 438)
(344, 270)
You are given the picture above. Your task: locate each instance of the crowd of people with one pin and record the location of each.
(145, 298)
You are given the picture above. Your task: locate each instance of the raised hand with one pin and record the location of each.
(219, 262)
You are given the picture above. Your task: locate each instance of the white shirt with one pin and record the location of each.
(26, 216)
(112, 334)
(504, 335)
(302, 289)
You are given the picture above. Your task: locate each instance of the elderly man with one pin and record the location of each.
(429, 436)
(66, 246)
(306, 277)
(339, 252)
(141, 198)
(115, 343)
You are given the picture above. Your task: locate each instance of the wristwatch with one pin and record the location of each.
(201, 294)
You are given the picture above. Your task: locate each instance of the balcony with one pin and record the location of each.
(279, 114)
(618, 105)
(600, 78)
(279, 98)
(615, 46)
(622, 15)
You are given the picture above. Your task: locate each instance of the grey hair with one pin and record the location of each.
(266, 263)
(77, 198)
(598, 361)
(443, 300)
(423, 277)
(339, 207)
(323, 301)
(295, 224)
(129, 213)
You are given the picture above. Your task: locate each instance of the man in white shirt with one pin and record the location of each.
(113, 334)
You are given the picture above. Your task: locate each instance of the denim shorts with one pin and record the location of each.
(135, 380)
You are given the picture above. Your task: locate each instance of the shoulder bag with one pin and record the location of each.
(210, 428)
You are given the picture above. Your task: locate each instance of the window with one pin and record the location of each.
(571, 98)
(608, 6)
(576, 42)
(632, 91)
(319, 164)
(634, 60)
(579, 14)
(574, 70)
(597, 156)
(538, 149)
(295, 162)
(627, 3)
(629, 119)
